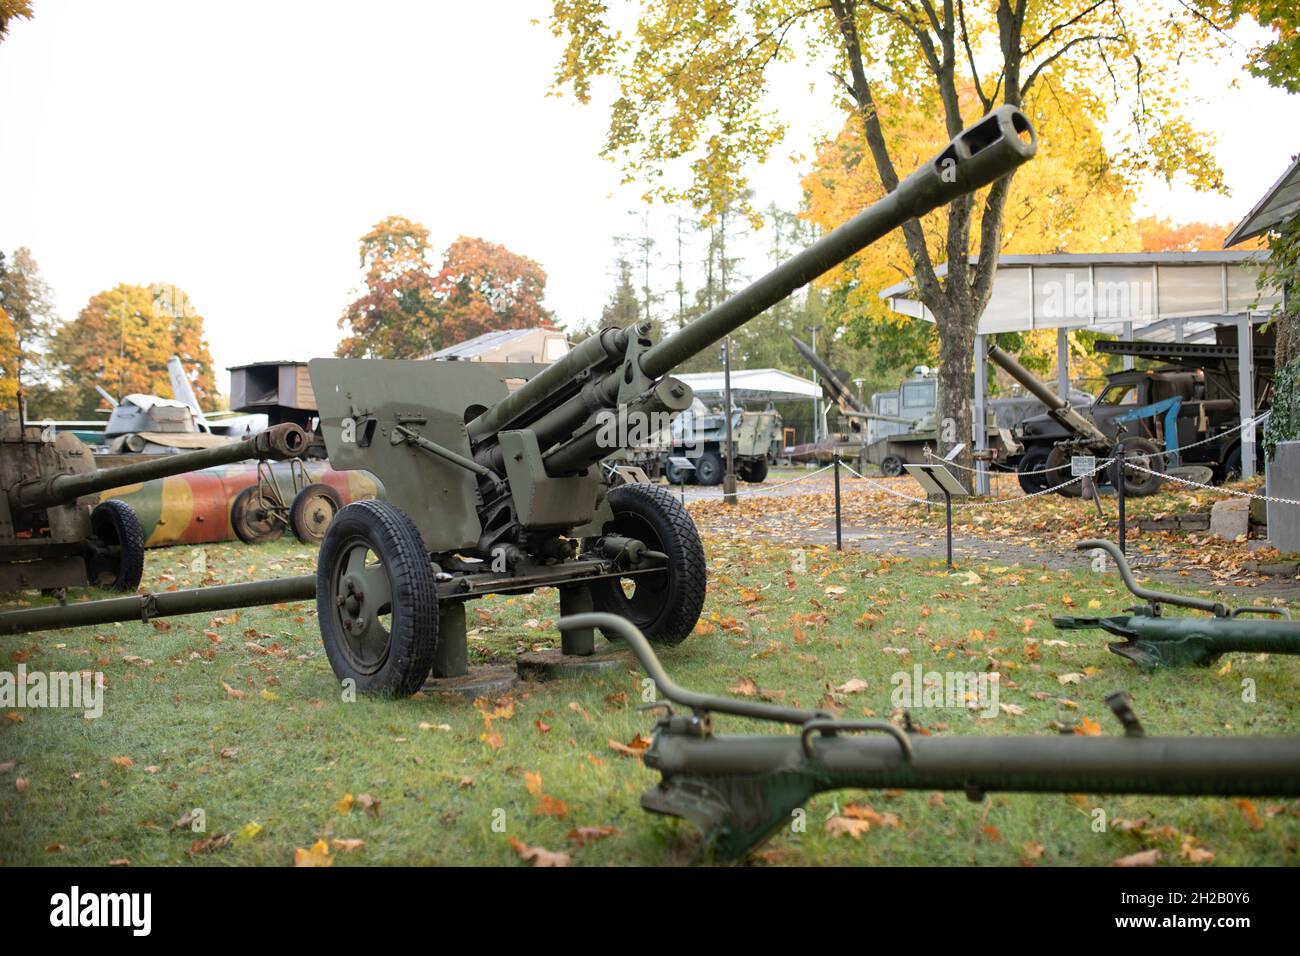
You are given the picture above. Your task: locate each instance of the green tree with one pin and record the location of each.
(692, 86)
(25, 297)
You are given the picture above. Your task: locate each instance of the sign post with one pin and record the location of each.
(938, 480)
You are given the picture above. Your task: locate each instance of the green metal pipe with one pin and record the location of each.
(144, 607)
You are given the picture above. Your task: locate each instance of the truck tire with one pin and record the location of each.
(376, 600)
(754, 472)
(116, 561)
(675, 475)
(664, 605)
(1030, 470)
(1142, 451)
(891, 466)
(709, 468)
(312, 511)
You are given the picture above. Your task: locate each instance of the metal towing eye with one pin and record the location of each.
(1152, 639)
(739, 790)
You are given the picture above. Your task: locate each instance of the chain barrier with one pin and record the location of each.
(1215, 488)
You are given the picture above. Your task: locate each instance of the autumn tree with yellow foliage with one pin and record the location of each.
(692, 86)
(121, 340)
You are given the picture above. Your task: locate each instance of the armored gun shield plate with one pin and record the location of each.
(361, 401)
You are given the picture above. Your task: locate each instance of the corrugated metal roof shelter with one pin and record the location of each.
(1280, 203)
(508, 345)
(1160, 296)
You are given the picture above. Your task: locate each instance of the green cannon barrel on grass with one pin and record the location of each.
(739, 790)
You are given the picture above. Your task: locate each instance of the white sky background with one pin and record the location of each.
(241, 151)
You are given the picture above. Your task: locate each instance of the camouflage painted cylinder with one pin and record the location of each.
(195, 508)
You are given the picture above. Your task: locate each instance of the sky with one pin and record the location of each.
(240, 155)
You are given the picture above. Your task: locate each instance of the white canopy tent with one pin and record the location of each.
(753, 385)
(1159, 296)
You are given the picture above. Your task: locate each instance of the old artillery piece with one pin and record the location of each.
(50, 535)
(262, 511)
(1139, 457)
(740, 790)
(1153, 640)
(494, 477)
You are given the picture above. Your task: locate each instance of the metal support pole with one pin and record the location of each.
(1063, 363)
(839, 529)
(981, 414)
(947, 503)
(728, 476)
(581, 642)
(451, 652)
(1128, 337)
(1121, 497)
(1246, 372)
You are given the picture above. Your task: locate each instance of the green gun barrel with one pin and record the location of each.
(275, 444)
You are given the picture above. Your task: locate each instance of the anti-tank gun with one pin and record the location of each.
(493, 469)
(52, 535)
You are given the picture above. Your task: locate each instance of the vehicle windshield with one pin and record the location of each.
(1118, 395)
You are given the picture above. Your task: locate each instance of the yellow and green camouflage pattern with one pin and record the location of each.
(194, 508)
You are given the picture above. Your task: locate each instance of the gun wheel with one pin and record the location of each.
(1030, 471)
(665, 605)
(253, 518)
(312, 511)
(376, 600)
(892, 466)
(1143, 452)
(116, 560)
(1058, 472)
(755, 472)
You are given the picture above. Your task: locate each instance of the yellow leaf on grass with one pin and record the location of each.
(318, 855)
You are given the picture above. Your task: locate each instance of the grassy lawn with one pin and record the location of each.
(241, 716)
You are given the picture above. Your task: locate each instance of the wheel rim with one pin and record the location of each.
(105, 565)
(317, 515)
(363, 605)
(642, 598)
(257, 518)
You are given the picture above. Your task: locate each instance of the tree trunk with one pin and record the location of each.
(956, 365)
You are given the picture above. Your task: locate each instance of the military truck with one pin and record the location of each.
(1197, 382)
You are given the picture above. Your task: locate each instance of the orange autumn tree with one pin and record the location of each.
(408, 311)
(121, 340)
(485, 287)
(1164, 235)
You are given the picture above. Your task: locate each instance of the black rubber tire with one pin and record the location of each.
(1230, 468)
(247, 526)
(676, 476)
(1139, 484)
(400, 669)
(1058, 465)
(1029, 470)
(755, 472)
(891, 466)
(114, 525)
(306, 512)
(709, 468)
(664, 606)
